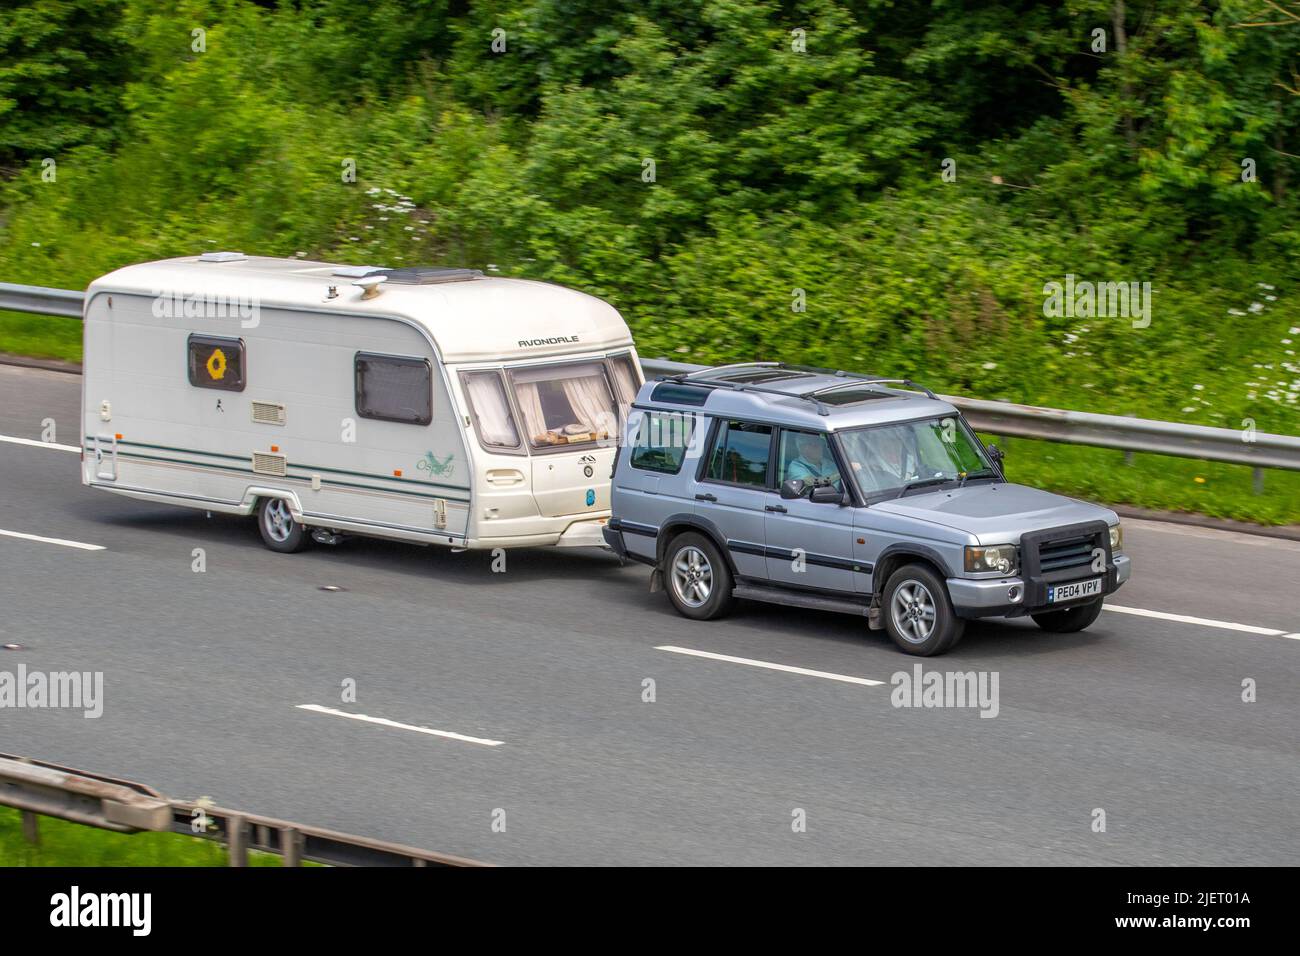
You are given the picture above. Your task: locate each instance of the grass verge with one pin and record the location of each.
(40, 336)
(71, 844)
(1158, 482)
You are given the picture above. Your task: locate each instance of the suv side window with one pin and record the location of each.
(740, 455)
(807, 455)
(661, 441)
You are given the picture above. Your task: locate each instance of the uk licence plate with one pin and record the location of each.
(1075, 589)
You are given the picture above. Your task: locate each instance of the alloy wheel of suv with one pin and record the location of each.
(918, 614)
(698, 579)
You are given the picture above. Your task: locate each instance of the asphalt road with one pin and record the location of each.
(205, 675)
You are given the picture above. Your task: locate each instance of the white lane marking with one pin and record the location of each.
(1203, 621)
(39, 444)
(59, 541)
(385, 722)
(865, 681)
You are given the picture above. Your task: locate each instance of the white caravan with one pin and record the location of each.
(428, 405)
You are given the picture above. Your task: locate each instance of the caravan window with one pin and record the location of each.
(564, 405)
(493, 419)
(216, 362)
(393, 388)
(625, 376)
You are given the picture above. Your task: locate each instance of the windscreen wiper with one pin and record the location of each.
(920, 483)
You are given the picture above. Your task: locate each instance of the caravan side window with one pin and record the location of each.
(492, 417)
(394, 388)
(216, 362)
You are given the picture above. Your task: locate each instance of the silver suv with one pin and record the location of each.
(842, 492)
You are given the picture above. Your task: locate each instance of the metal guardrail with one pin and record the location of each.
(38, 789)
(40, 300)
(1257, 449)
(1239, 447)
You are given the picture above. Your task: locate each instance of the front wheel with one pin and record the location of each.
(698, 579)
(918, 614)
(279, 531)
(1070, 619)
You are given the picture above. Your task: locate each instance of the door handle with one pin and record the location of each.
(706, 497)
(780, 508)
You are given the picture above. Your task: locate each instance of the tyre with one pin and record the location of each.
(918, 614)
(279, 531)
(1069, 619)
(697, 578)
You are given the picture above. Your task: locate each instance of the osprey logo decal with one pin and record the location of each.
(433, 466)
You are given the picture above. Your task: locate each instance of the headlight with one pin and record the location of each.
(1004, 558)
(1116, 538)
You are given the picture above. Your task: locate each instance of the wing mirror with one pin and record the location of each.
(827, 495)
(793, 488)
(998, 455)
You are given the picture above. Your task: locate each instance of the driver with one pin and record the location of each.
(812, 464)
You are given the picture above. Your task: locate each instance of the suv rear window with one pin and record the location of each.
(661, 441)
(740, 454)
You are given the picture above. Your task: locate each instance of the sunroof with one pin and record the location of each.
(851, 396)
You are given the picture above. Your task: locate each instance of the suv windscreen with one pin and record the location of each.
(565, 404)
(885, 459)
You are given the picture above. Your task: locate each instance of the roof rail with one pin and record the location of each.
(870, 380)
(720, 368)
(688, 378)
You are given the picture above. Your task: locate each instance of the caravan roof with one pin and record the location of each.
(469, 316)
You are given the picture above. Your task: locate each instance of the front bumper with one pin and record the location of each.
(992, 597)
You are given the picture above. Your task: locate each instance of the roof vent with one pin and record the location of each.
(429, 275)
(222, 257)
(356, 272)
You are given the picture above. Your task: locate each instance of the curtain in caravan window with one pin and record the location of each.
(589, 399)
(530, 406)
(625, 378)
(495, 424)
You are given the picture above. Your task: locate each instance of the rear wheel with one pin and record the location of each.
(1070, 619)
(699, 581)
(918, 614)
(279, 531)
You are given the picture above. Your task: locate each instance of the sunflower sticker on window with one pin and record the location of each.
(216, 362)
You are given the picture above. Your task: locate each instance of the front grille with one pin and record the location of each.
(1066, 554)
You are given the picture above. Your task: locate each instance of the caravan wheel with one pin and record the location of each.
(279, 531)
